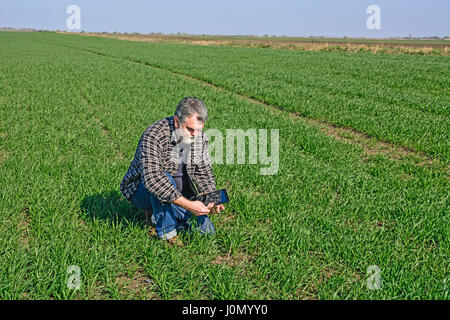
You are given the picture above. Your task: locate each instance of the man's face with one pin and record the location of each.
(189, 128)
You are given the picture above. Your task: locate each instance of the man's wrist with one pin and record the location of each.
(182, 202)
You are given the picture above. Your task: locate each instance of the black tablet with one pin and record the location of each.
(216, 197)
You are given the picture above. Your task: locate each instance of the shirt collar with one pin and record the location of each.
(171, 122)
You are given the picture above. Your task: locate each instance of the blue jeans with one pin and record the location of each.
(169, 218)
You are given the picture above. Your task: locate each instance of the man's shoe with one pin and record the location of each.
(175, 241)
(152, 232)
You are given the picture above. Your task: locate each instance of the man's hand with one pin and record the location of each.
(196, 207)
(216, 209)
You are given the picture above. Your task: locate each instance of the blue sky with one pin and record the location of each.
(276, 17)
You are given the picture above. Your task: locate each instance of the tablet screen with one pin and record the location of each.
(216, 197)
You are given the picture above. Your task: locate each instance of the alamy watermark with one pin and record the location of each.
(374, 20)
(73, 22)
(74, 279)
(446, 296)
(373, 282)
(232, 149)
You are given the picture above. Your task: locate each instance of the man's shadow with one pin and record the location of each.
(112, 207)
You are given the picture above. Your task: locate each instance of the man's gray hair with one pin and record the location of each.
(190, 106)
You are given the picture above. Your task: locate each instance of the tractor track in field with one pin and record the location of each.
(3, 155)
(370, 145)
(3, 152)
(24, 225)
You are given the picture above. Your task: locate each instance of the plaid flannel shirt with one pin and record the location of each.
(157, 152)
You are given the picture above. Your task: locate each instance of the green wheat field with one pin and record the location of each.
(363, 179)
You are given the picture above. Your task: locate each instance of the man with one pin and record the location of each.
(172, 164)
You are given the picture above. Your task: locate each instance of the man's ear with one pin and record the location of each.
(176, 122)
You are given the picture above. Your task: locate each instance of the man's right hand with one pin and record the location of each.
(196, 207)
